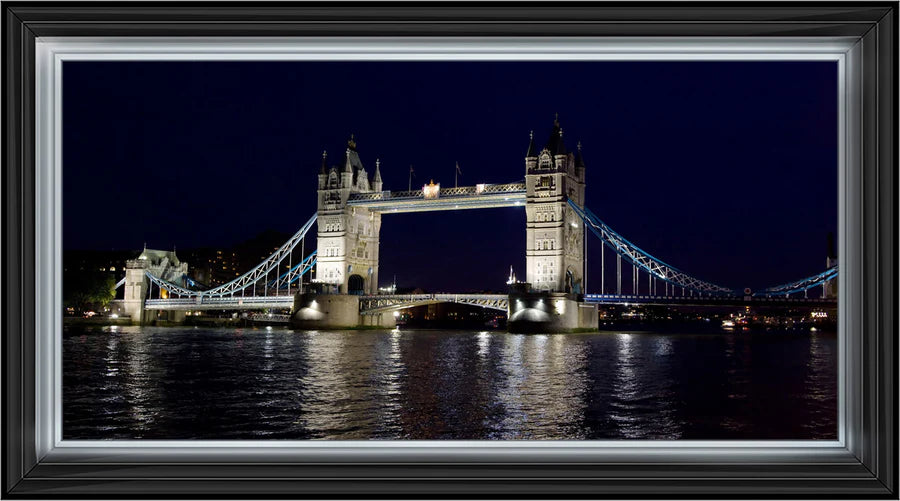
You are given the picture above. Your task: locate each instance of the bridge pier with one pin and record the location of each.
(334, 311)
(384, 319)
(549, 312)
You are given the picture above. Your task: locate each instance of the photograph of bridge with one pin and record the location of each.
(227, 272)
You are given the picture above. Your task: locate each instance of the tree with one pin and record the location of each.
(85, 290)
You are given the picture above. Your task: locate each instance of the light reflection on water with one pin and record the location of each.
(178, 383)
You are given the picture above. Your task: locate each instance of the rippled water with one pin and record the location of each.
(180, 383)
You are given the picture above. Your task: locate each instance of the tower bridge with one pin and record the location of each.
(350, 206)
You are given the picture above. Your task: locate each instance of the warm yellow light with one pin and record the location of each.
(432, 190)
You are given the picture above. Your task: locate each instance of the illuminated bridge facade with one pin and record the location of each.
(348, 221)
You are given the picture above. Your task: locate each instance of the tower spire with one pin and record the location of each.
(376, 179)
(579, 160)
(324, 162)
(531, 152)
(555, 143)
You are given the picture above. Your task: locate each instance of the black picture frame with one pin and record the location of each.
(866, 468)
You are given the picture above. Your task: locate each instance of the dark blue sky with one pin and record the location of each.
(726, 170)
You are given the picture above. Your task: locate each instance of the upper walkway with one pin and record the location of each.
(435, 198)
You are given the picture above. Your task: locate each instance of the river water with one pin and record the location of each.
(277, 383)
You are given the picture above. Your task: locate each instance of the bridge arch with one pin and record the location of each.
(356, 284)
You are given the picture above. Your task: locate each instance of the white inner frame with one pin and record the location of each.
(52, 52)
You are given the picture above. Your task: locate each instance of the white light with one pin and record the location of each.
(268, 327)
(396, 314)
(560, 306)
(114, 316)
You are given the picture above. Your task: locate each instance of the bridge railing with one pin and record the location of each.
(224, 302)
(459, 191)
(389, 301)
(705, 300)
(269, 317)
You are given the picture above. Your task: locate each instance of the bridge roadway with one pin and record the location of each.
(221, 303)
(615, 299)
(370, 305)
(367, 304)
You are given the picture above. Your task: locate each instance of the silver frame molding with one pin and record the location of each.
(861, 38)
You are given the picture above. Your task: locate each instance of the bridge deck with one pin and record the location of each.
(389, 302)
(707, 300)
(221, 303)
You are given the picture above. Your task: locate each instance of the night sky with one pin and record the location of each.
(726, 170)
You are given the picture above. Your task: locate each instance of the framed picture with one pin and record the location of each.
(64, 76)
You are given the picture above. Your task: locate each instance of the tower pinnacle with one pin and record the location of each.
(531, 152)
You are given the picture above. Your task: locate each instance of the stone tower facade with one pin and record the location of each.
(348, 237)
(554, 255)
(160, 263)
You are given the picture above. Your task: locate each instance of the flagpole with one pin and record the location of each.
(409, 188)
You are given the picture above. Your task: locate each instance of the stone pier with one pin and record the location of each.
(549, 312)
(334, 311)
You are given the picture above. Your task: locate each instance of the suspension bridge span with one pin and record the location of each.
(345, 262)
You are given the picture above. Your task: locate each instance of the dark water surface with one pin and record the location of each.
(255, 383)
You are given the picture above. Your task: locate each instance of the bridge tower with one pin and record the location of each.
(163, 264)
(554, 255)
(348, 237)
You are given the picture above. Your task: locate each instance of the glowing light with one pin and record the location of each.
(431, 190)
(560, 306)
(396, 314)
(114, 315)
